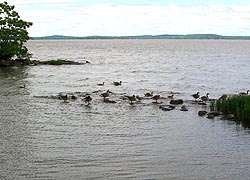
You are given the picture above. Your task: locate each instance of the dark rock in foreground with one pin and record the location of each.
(202, 113)
(176, 101)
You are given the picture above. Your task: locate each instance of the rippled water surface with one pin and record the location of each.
(42, 137)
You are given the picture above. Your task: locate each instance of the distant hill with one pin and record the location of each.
(163, 36)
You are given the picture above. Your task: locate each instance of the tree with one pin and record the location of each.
(13, 34)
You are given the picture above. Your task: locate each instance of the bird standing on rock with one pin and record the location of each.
(196, 96)
(117, 83)
(205, 98)
(106, 94)
(223, 97)
(148, 94)
(156, 97)
(131, 98)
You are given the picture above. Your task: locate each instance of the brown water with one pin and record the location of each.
(41, 137)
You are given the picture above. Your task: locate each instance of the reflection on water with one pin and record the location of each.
(12, 79)
(45, 138)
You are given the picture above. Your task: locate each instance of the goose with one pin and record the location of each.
(196, 96)
(205, 98)
(148, 94)
(87, 100)
(224, 96)
(156, 97)
(101, 84)
(243, 93)
(22, 86)
(64, 97)
(106, 94)
(117, 83)
(73, 97)
(131, 98)
(171, 96)
(138, 97)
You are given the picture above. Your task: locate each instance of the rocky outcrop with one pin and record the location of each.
(26, 62)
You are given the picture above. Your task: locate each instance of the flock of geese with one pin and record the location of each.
(222, 97)
(87, 99)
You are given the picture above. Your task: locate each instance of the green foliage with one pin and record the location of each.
(13, 34)
(237, 105)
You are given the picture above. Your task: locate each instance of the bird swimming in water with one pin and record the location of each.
(205, 98)
(243, 93)
(117, 83)
(196, 96)
(101, 84)
(87, 100)
(156, 98)
(148, 94)
(22, 86)
(171, 96)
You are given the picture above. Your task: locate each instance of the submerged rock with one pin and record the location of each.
(166, 107)
(202, 113)
(202, 103)
(176, 101)
(210, 116)
(109, 101)
(214, 113)
(230, 116)
(183, 108)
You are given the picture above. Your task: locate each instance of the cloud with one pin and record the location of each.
(69, 17)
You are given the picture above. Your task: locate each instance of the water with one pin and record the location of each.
(41, 137)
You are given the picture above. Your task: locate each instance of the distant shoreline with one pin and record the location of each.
(163, 36)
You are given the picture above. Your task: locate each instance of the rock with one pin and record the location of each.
(202, 103)
(202, 113)
(183, 108)
(214, 113)
(166, 107)
(210, 116)
(58, 62)
(230, 116)
(109, 101)
(176, 101)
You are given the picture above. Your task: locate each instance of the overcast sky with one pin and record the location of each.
(135, 17)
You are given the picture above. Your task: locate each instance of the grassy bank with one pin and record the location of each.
(239, 106)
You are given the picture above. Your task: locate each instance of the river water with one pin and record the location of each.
(42, 137)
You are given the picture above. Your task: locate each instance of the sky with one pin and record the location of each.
(134, 17)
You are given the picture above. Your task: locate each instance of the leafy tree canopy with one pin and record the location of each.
(13, 34)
